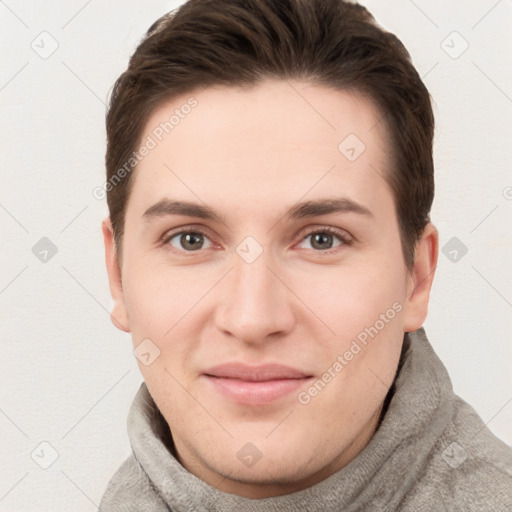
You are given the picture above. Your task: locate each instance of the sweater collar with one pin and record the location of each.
(418, 410)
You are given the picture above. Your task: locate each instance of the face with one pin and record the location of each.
(262, 265)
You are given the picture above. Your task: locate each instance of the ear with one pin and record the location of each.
(419, 280)
(119, 314)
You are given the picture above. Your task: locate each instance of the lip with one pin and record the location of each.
(255, 385)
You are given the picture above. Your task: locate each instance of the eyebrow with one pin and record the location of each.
(326, 206)
(306, 209)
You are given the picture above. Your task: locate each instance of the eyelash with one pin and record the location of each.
(345, 241)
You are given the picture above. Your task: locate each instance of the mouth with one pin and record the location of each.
(255, 385)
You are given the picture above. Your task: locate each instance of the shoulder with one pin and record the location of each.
(469, 469)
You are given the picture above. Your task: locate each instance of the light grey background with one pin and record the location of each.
(67, 375)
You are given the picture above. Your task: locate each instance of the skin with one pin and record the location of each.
(252, 154)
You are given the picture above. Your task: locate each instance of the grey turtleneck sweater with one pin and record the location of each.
(430, 453)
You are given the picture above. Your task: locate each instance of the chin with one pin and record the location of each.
(270, 476)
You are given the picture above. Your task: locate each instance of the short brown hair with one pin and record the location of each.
(240, 42)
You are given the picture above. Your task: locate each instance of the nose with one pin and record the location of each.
(255, 306)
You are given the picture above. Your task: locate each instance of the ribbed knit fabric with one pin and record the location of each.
(430, 453)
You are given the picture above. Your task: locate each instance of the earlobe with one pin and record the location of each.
(420, 279)
(118, 314)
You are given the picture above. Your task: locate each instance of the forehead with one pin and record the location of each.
(270, 143)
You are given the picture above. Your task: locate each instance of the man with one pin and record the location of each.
(269, 248)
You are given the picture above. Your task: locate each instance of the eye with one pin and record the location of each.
(189, 241)
(325, 240)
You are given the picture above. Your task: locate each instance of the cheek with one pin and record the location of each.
(358, 361)
(154, 299)
(167, 306)
(363, 310)
(160, 306)
(350, 299)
